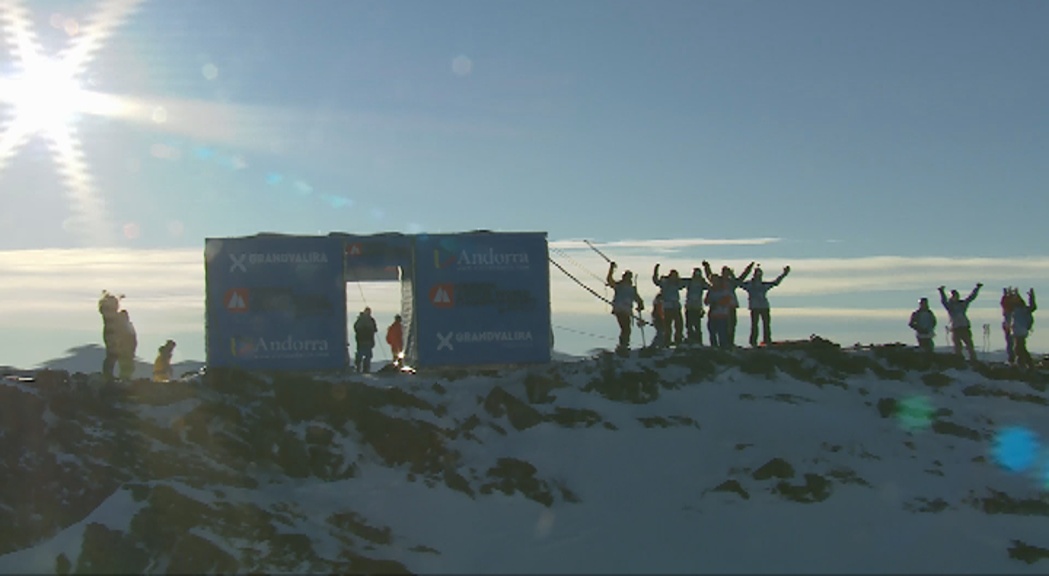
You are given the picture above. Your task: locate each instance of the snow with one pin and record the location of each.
(646, 498)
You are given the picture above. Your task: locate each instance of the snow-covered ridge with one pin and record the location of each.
(799, 458)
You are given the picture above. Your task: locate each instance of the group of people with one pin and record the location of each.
(121, 342)
(1017, 322)
(706, 294)
(364, 330)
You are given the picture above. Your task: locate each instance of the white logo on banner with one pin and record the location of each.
(239, 262)
(236, 302)
(441, 297)
(445, 341)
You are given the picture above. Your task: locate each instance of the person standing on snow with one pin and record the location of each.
(923, 322)
(961, 331)
(624, 297)
(364, 329)
(657, 321)
(109, 308)
(719, 299)
(670, 288)
(162, 365)
(1021, 322)
(696, 285)
(1010, 298)
(728, 276)
(395, 338)
(127, 344)
(758, 302)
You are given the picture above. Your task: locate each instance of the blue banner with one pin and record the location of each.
(276, 303)
(481, 298)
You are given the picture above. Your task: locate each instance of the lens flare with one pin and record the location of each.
(915, 413)
(1016, 449)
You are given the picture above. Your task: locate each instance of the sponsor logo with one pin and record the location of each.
(447, 340)
(443, 296)
(236, 300)
(442, 259)
(481, 294)
(444, 341)
(353, 250)
(288, 347)
(241, 261)
(490, 259)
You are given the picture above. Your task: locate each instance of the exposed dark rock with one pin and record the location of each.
(1027, 553)
(816, 489)
(522, 416)
(732, 486)
(775, 468)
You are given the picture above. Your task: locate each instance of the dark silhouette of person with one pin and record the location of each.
(127, 344)
(728, 276)
(697, 285)
(758, 302)
(1020, 323)
(658, 321)
(961, 330)
(364, 329)
(670, 288)
(923, 322)
(719, 299)
(624, 298)
(1010, 298)
(395, 338)
(109, 308)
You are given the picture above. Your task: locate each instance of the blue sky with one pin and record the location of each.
(842, 131)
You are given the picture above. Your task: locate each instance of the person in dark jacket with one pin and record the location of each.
(957, 308)
(696, 286)
(624, 298)
(758, 302)
(109, 308)
(1020, 323)
(719, 299)
(923, 322)
(1010, 297)
(670, 288)
(658, 322)
(127, 345)
(731, 282)
(364, 329)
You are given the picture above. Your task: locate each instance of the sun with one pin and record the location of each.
(45, 96)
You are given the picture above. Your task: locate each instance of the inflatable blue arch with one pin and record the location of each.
(278, 302)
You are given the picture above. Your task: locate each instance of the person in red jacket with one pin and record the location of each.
(395, 338)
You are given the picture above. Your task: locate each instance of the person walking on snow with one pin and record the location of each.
(961, 331)
(395, 338)
(624, 297)
(1021, 322)
(696, 285)
(923, 322)
(364, 330)
(758, 302)
(670, 288)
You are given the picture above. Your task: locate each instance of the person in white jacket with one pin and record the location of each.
(961, 331)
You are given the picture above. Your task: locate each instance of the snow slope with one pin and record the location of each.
(805, 458)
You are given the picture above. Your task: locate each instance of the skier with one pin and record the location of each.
(696, 285)
(1021, 322)
(624, 296)
(109, 308)
(364, 330)
(961, 331)
(731, 283)
(670, 288)
(923, 322)
(395, 338)
(162, 365)
(758, 302)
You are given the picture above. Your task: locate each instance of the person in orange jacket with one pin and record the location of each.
(395, 338)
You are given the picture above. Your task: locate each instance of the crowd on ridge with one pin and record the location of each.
(714, 296)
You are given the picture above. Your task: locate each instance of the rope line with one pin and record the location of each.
(562, 254)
